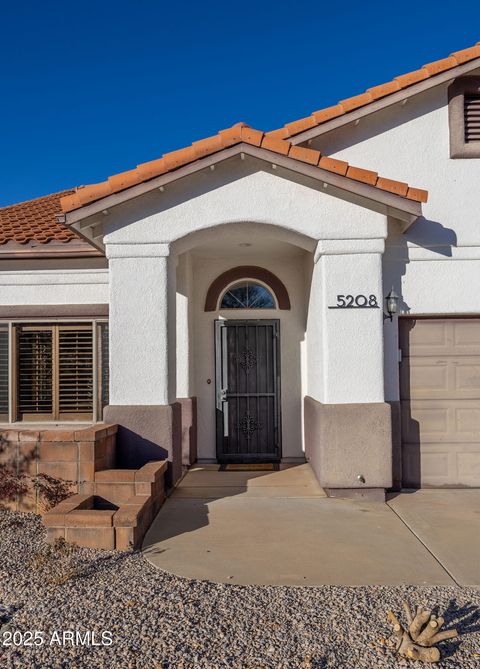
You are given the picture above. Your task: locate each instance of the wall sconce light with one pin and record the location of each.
(392, 304)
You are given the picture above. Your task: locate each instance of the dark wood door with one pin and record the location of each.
(247, 390)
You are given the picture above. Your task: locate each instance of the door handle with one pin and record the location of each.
(223, 395)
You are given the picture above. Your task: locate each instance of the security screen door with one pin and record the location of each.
(247, 391)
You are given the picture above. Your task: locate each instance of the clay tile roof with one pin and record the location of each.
(376, 92)
(35, 220)
(238, 133)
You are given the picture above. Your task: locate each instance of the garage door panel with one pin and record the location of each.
(467, 337)
(441, 421)
(444, 378)
(441, 465)
(432, 337)
(440, 401)
(467, 376)
(418, 337)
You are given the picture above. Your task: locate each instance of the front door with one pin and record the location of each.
(247, 390)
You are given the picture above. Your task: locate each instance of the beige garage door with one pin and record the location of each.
(440, 399)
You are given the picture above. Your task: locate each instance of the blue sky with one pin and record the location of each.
(89, 89)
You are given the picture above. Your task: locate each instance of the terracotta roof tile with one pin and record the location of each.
(225, 138)
(309, 156)
(35, 220)
(465, 55)
(417, 194)
(406, 80)
(374, 93)
(381, 91)
(300, 125)
(397, 187)
(123, 180)
(326, 114)
(440, 65)
(359, 174)
(252, 136)
(355, 102)
(276, 145)
(333, 165)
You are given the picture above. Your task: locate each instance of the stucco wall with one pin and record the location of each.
(53, 286)
(240, 192)
(434, 266)
(290, 270)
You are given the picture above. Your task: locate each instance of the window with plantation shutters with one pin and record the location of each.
(471, 106)
(54, 372)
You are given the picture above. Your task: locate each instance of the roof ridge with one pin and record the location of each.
(236, 134)
(375, 93)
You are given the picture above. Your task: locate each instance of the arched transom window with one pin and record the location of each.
(247, 295)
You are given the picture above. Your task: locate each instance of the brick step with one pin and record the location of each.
(119, 512)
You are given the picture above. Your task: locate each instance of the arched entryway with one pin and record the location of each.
(245, 295)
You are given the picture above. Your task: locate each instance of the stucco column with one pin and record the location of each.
(352, 336)
(347, 422)
(142, 324)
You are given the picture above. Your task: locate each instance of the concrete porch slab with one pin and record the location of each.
(254, 534)
(288, 475)
(448, 523)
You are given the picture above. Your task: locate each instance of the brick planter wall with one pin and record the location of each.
(98, 522)
(67, 453)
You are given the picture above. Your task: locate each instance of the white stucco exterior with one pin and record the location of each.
(167, 246)
(54, 286)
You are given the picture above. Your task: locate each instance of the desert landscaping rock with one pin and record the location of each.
(162, 621)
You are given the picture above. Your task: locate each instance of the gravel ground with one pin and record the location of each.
(161, 621)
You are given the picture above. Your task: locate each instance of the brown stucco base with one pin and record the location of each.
(148, 433)
(347, 442)
(189, 429)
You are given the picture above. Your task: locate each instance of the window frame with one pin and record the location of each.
(97, 404)
(239, 282)
(462, 86)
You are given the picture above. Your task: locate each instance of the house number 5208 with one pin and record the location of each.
(356, 302)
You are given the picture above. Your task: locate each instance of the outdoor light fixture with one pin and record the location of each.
(392, 304)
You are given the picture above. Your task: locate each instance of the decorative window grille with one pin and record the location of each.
(247, 295)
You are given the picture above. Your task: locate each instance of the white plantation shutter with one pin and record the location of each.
(75, 370)
(472, 118)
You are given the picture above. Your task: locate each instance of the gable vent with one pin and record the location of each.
(472, 118)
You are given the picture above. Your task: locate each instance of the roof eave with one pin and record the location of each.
(403, 208)
(382, 103)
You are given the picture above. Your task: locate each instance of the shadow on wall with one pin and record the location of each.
(440, 240)
(147, 433)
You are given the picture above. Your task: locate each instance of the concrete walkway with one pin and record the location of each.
(279, 528)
